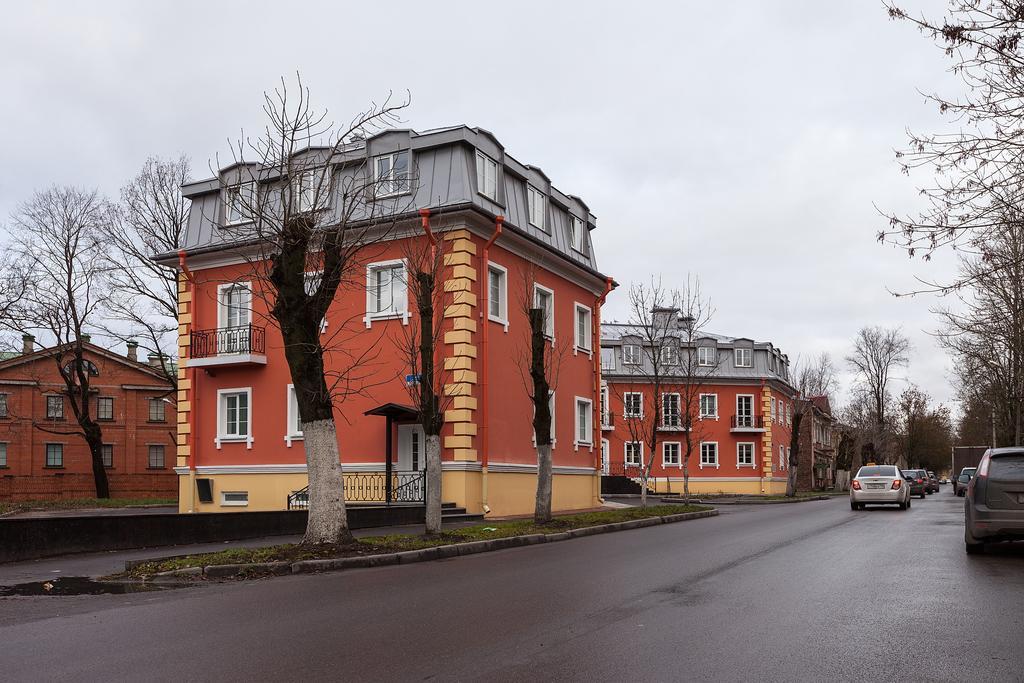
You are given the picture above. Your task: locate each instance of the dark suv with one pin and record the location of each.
(918, 481)
(994, 509)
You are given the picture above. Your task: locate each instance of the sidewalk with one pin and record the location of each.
(102, 564)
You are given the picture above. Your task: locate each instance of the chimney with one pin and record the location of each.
(86, 338)
(28, 343)
(156, 360)
(663, 318)
(133, 350)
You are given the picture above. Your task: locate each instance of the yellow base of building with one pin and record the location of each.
(699, 485)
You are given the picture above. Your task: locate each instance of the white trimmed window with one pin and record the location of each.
(107, 455)
(234, 305)
(497, 294)
(745, 454)
(238, 201)
(234, 416)
(671, 416)
(706, 356)
(293, 430)
(537, 206)
(544, 299)
(311, 190)
(709, 405)
(584, 422)
(386, 292)
(634, 453)
(311, 283)
(743, 358)
(670, 454)
(670, 354)
(773, 409)
(708, 454)
(583, 331)
(605, 417)
(789, 414)
(391, 172)
(576, 233)
(631, 354)
(486, 176)
(607, 358)
(234, 498)
(782, 457)
(632, 404)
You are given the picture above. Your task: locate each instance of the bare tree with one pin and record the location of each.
(306, 223)
(150, 219)
(59, 244)
(978, 169)
(876, 353)
(419, 345)
(815, 378)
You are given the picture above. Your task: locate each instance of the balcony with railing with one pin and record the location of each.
(747, 423)
(241, 345)
(607, 421)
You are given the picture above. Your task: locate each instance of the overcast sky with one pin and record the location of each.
(746, 143)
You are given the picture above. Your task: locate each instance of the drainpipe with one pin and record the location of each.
(425, 221)
(193, 375)
(485, 289)
(595, 321)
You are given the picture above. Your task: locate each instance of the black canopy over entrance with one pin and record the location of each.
(392, 412)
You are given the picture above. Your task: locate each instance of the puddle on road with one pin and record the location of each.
(81, 585)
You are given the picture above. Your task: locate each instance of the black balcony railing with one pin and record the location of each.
(241, 339)
(372, 487)
(747, 422)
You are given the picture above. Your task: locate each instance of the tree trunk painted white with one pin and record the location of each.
(542, 512)
(433, 484)
(328, 522)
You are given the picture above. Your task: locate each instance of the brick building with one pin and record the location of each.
(817, 467)
(133, 404)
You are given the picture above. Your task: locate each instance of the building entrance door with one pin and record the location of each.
(411, 454)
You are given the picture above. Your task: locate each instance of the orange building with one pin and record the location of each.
(41, 457)
(742, 416)
(240, 445)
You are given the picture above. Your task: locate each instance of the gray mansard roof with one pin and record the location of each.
(444, 178)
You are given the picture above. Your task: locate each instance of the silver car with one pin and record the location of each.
(879, 485)
(994, 505)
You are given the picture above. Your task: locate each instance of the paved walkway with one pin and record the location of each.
(110, 562)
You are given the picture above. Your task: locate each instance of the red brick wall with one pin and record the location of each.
(26, 430)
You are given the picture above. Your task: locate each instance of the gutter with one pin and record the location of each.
(595, 322)
(485, 291)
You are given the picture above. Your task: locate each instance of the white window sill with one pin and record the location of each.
(500, 321)
(232, 224)
(709, 417)
(741, 464)
(378, 317)
(234, 505)
(288, 438)
(671, 464)
(576, 445)
(709, 465)
(247, 440)
(576, 350)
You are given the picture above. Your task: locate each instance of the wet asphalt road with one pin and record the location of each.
(812, 591)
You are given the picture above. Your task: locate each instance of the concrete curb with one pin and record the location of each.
(223, 571)
(787, 501)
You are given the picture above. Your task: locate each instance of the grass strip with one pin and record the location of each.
(376, 545)
(81, 503)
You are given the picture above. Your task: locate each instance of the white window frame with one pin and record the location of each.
(222, 306)
(639, 354)
(700, 407)
(502, 317)
(605, 407)
(229, 193)
(679, 454)
(483, 164)
(400, 310)
(773, 409)
(585, 439)
(673, 350)
(625, 404)
(584, 344)
(607, 358)
(536, 207)
(753, 451)
(743, 351)
(753, 410)
(549, 321)
(701, 463)
(782, 458)
(789, 414)
(222, 437)
(304, 189)
(292, 428)
(711, 352)
(398, 186)
(625, 453)
(679, 410)
(576, 232)
(224, 502)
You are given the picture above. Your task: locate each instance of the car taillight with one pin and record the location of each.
(856, 485)
(897, 483)
(918, 481)
(983, 467)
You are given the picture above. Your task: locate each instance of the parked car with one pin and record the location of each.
(879, 484)
(943, 481)
(934, 481)
(994, 509)
(960, 484)
(918, 482)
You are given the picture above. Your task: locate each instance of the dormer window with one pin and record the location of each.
(238, 202)
(576, 233)
(706, 356)
(486, 176)
(743, 358)
(630, 354)
(311, 190)
(536, 205)
(392, 174)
